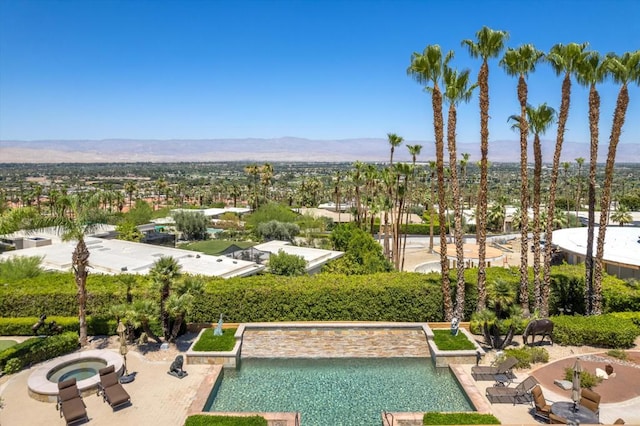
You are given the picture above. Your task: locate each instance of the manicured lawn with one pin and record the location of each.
(208, 342)
(445, 341)
(459, 419)
(215, 247)
(204, 420)
(4, 344)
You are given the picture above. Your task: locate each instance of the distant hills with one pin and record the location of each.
(272, 150)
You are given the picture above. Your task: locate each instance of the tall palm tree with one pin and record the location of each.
(464, 161)
(394, 141)
(624, 69)
(520, 62)
(564, 59)
(83, 216)
(592, 71)
(130, 188)
(432, 181)
(457, 89)
(427, 68)
(539, 121)
(414, 151)
(489, 45)
(580, 163)
(164, 272)
(253, 170)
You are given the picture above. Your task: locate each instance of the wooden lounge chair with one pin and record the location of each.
(517, 395)
(70, 403)
(111, 389)
(485, 372)
(542, 408)
(590, 400)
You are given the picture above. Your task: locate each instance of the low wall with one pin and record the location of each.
(445, 358)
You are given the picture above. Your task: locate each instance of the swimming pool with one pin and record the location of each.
(349, 392)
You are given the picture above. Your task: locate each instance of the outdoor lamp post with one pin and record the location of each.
(123, 344)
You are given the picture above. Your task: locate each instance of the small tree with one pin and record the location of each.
(140, 214)
(193, 225)
(622, 216)
(363, 255)
(127, 231)
(164, 273)
(287, 264)
(275, 230)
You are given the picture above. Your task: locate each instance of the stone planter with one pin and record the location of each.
(444, 358)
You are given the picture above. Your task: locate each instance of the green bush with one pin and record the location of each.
(605, 331)
(22, 326)
(13, 366)
(208, 342)
(527, 356)
(39, 349)
(587, 380)
(618, 354)
(205, 420)
(435, 418)
(445, 341)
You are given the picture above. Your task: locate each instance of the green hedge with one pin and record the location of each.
(21, 326)
(38, 349)
(605, 331)
(205, 420)
(435, 418)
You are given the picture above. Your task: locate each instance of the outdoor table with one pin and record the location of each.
(502, 380)
(579, 414)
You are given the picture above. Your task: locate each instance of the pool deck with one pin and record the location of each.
(159, 399)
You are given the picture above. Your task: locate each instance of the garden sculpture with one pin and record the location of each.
(455, 325)
(543, 327)
(218, 329)
(493, 338)
(176, 368)
(35, 327)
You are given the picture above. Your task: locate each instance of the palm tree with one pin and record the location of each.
(164, 273)
(253, 170)
(130, 187)
(82, 217)
(414, 151)
(563, 59)
(432, 180)
(394, 141)
(464, 161)
(427, 68)
(580, 162)
(457, 89)
(161, 186)
(624, 70)
(622, 216)
(489, 45)
(592, 71)
(520, 62)
(539, 120)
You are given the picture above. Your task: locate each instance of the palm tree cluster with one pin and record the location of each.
(432, 68)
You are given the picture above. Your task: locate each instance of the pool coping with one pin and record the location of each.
(464, 379)
(42, 389)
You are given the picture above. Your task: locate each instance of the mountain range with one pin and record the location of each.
(274, 150)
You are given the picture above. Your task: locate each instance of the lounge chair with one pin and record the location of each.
(590, 400)
(484, 372)
(541, 407)
(70, 403)
(111, 389)
(517, 395)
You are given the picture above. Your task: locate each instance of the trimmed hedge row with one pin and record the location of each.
(21, 326)
(605, 331)
(37, 349)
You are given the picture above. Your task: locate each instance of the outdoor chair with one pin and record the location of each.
(70, 403)
(111, 389)
(517, 395)
(557, 420)
(484, 372)
(619, 421)
(541, 407)
(590, 400)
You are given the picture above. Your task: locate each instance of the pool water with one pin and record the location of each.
(349, 392)
(79, 369)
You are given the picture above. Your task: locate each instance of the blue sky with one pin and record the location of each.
(97, 69)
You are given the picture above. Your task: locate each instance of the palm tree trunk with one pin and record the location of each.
(444, 261)
(80, 260)
(481, 220)
(524, 200)
(537, 177)
(594, 118)
(457, 213)
(618, 121)
(562, 122)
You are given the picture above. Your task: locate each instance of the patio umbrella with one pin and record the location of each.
(575, 388)
(123, 344)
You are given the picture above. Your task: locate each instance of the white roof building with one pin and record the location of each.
(314, 257)
(621, 248)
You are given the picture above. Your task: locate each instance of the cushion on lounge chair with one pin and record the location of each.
(106, 370)
(484, 372)
(590, 400)
(108, 380)
(73, 410)
(542, 408)
(116, 396)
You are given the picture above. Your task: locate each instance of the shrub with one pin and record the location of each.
(617, 353)
(435, 418)
(205, 420)
(527, 356)
(606, 331)
(446, 341)
(287, 264)
(209, 342)
(39, 349)
(587, 380)
(22, 326)
(13, 366)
